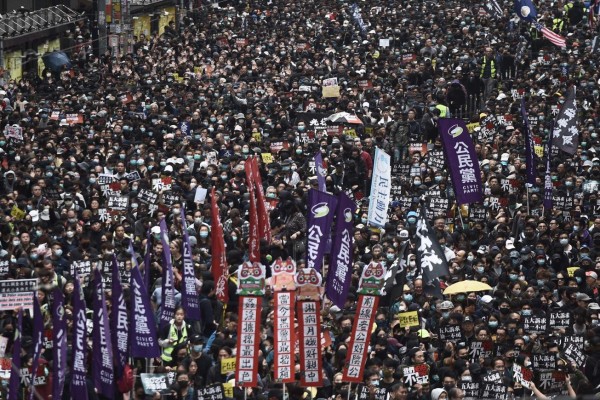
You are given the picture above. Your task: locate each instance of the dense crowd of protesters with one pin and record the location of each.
(231, 82)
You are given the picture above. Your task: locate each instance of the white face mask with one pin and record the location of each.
(412, 263)
(70, 234)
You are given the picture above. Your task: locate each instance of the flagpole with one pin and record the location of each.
(527, 188)
(349, 390)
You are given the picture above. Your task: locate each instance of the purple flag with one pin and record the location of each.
(530, 163)
(321, 207)
(462, 160)
(38, 334)
(15, 376)
(340, 272)
(321, 172)
(59, 344)
(167, 307)
(79, 370)
(548, 178)
(119, 323)
(189, 297)
(144, 343)
(103, 373)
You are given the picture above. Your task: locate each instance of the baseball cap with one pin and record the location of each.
(583, 297)
(593, 306)
(486, 299)
(446, 305)
(592, 274)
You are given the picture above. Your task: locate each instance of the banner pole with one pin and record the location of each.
(462, 223)
(349, 390)
(527, 188)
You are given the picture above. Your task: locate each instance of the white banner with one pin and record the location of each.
(381, 187)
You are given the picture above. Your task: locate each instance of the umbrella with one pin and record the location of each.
(344, 118)
(56, 60)
(467, 286)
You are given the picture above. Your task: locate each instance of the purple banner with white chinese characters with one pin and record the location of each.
(189, 297)
(340, 272)
(103, 373)
(119, 323)
(462, 160)
(167, 307)
(59, 344)
(38, 334)
(79, 369)
(321, 208)
(144, 342)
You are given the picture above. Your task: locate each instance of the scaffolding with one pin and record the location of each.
(19, 23)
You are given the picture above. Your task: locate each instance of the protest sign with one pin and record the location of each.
(572, 348)
(543, 361)
(559, 319)
(534, 324)
(451, 333)
(364, 393)
(17, 293)
(470, 389)
(211, 392)
(480, 349)
(117, 202)
(153, 383)
(227, 365)
(409, 318)
(147, 196)
(416, 374)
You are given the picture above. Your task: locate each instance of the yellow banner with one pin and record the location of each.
(539, 151)
(331, 91)
(228, 389)
(141, 25)
(14, 63)
(409, 318)
(571, 271)
(267, 158)
(227, 365)
(17, 213)
(471, 127)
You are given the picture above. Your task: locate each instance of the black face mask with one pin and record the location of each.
(504, 310)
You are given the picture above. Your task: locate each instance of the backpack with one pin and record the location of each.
(125, 384)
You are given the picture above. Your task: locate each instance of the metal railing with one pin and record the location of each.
(23, 22)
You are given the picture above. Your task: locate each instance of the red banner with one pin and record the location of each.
(254, 239)
(309, 326)
(219, 261)
(284, 336)
(248, 338)
(361, 333)
(264, 224)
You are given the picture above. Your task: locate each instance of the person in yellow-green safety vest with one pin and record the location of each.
(558, 24)
(172, 336)
(488, 72)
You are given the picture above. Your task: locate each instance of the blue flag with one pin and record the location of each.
(526, 10)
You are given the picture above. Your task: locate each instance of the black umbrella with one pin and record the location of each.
(56, 60)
